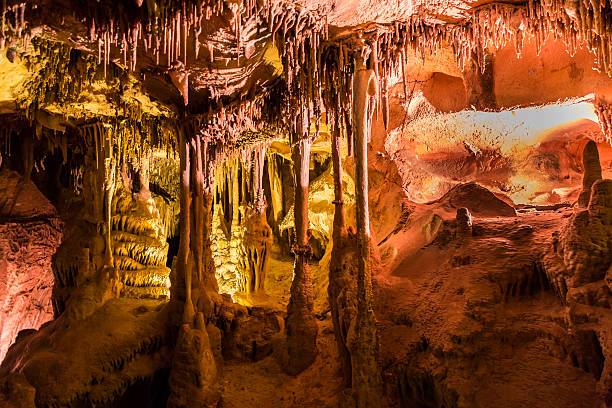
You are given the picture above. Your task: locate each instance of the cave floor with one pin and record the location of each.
(472, 321)
(264, 384)
(476, 322)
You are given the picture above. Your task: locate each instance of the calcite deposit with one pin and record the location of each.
(313, 203)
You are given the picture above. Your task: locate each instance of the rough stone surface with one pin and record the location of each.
(477, 199)
(592, 172)
(30, 232)
(464, 222)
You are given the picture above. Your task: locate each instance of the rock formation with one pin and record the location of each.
(592, 172)
(31, 232)
(301, 324)
(464, 222)
(314, 203)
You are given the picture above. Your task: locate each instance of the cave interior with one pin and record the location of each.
(306, 203)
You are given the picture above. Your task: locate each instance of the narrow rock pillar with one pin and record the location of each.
(364, 345)
(592, 172)
(339, 214)
(198, 208)
(181, 284)
(341, 288)
(301, 324)
(258, 237)
(208, 160)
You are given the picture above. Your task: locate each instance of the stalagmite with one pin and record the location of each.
(592, 172)
(181, 284)
(301, 324)
(363, 341)
(343, 267)
(464, 222)
(194, 368)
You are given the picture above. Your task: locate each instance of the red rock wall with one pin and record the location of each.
(30, 232)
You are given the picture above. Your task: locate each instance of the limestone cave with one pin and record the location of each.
(306, 203)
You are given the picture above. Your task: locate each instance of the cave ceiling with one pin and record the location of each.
(192, 59)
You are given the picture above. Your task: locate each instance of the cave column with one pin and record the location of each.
(276, 189)
(339, 214)
(109, 189)
(209, 278)
(301, 324)
(236, 169)
(339, 273)
(194, 370)
(366, 378)
(198, 207)
(181, 286)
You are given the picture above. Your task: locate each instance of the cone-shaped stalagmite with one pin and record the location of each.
(592, 172)
(301, 324)
(194, 369)
(363, 341)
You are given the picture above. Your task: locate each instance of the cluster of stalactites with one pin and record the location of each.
(579, 23)
(321, 72)
(239, 183)
(249, 162)
(604, 114)
(299, 35)
(14, 24)
(170, 32)
(165, 32)
(240, 126)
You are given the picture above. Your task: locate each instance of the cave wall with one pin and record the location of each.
(30, 233)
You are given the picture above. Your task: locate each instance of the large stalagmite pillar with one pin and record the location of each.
(194, 370)
(301, 324)
(366, 377)
(342, 268)
(181, 284)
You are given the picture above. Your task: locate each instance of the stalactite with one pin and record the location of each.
(301, 326)
(258, 236)
(604, 115)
